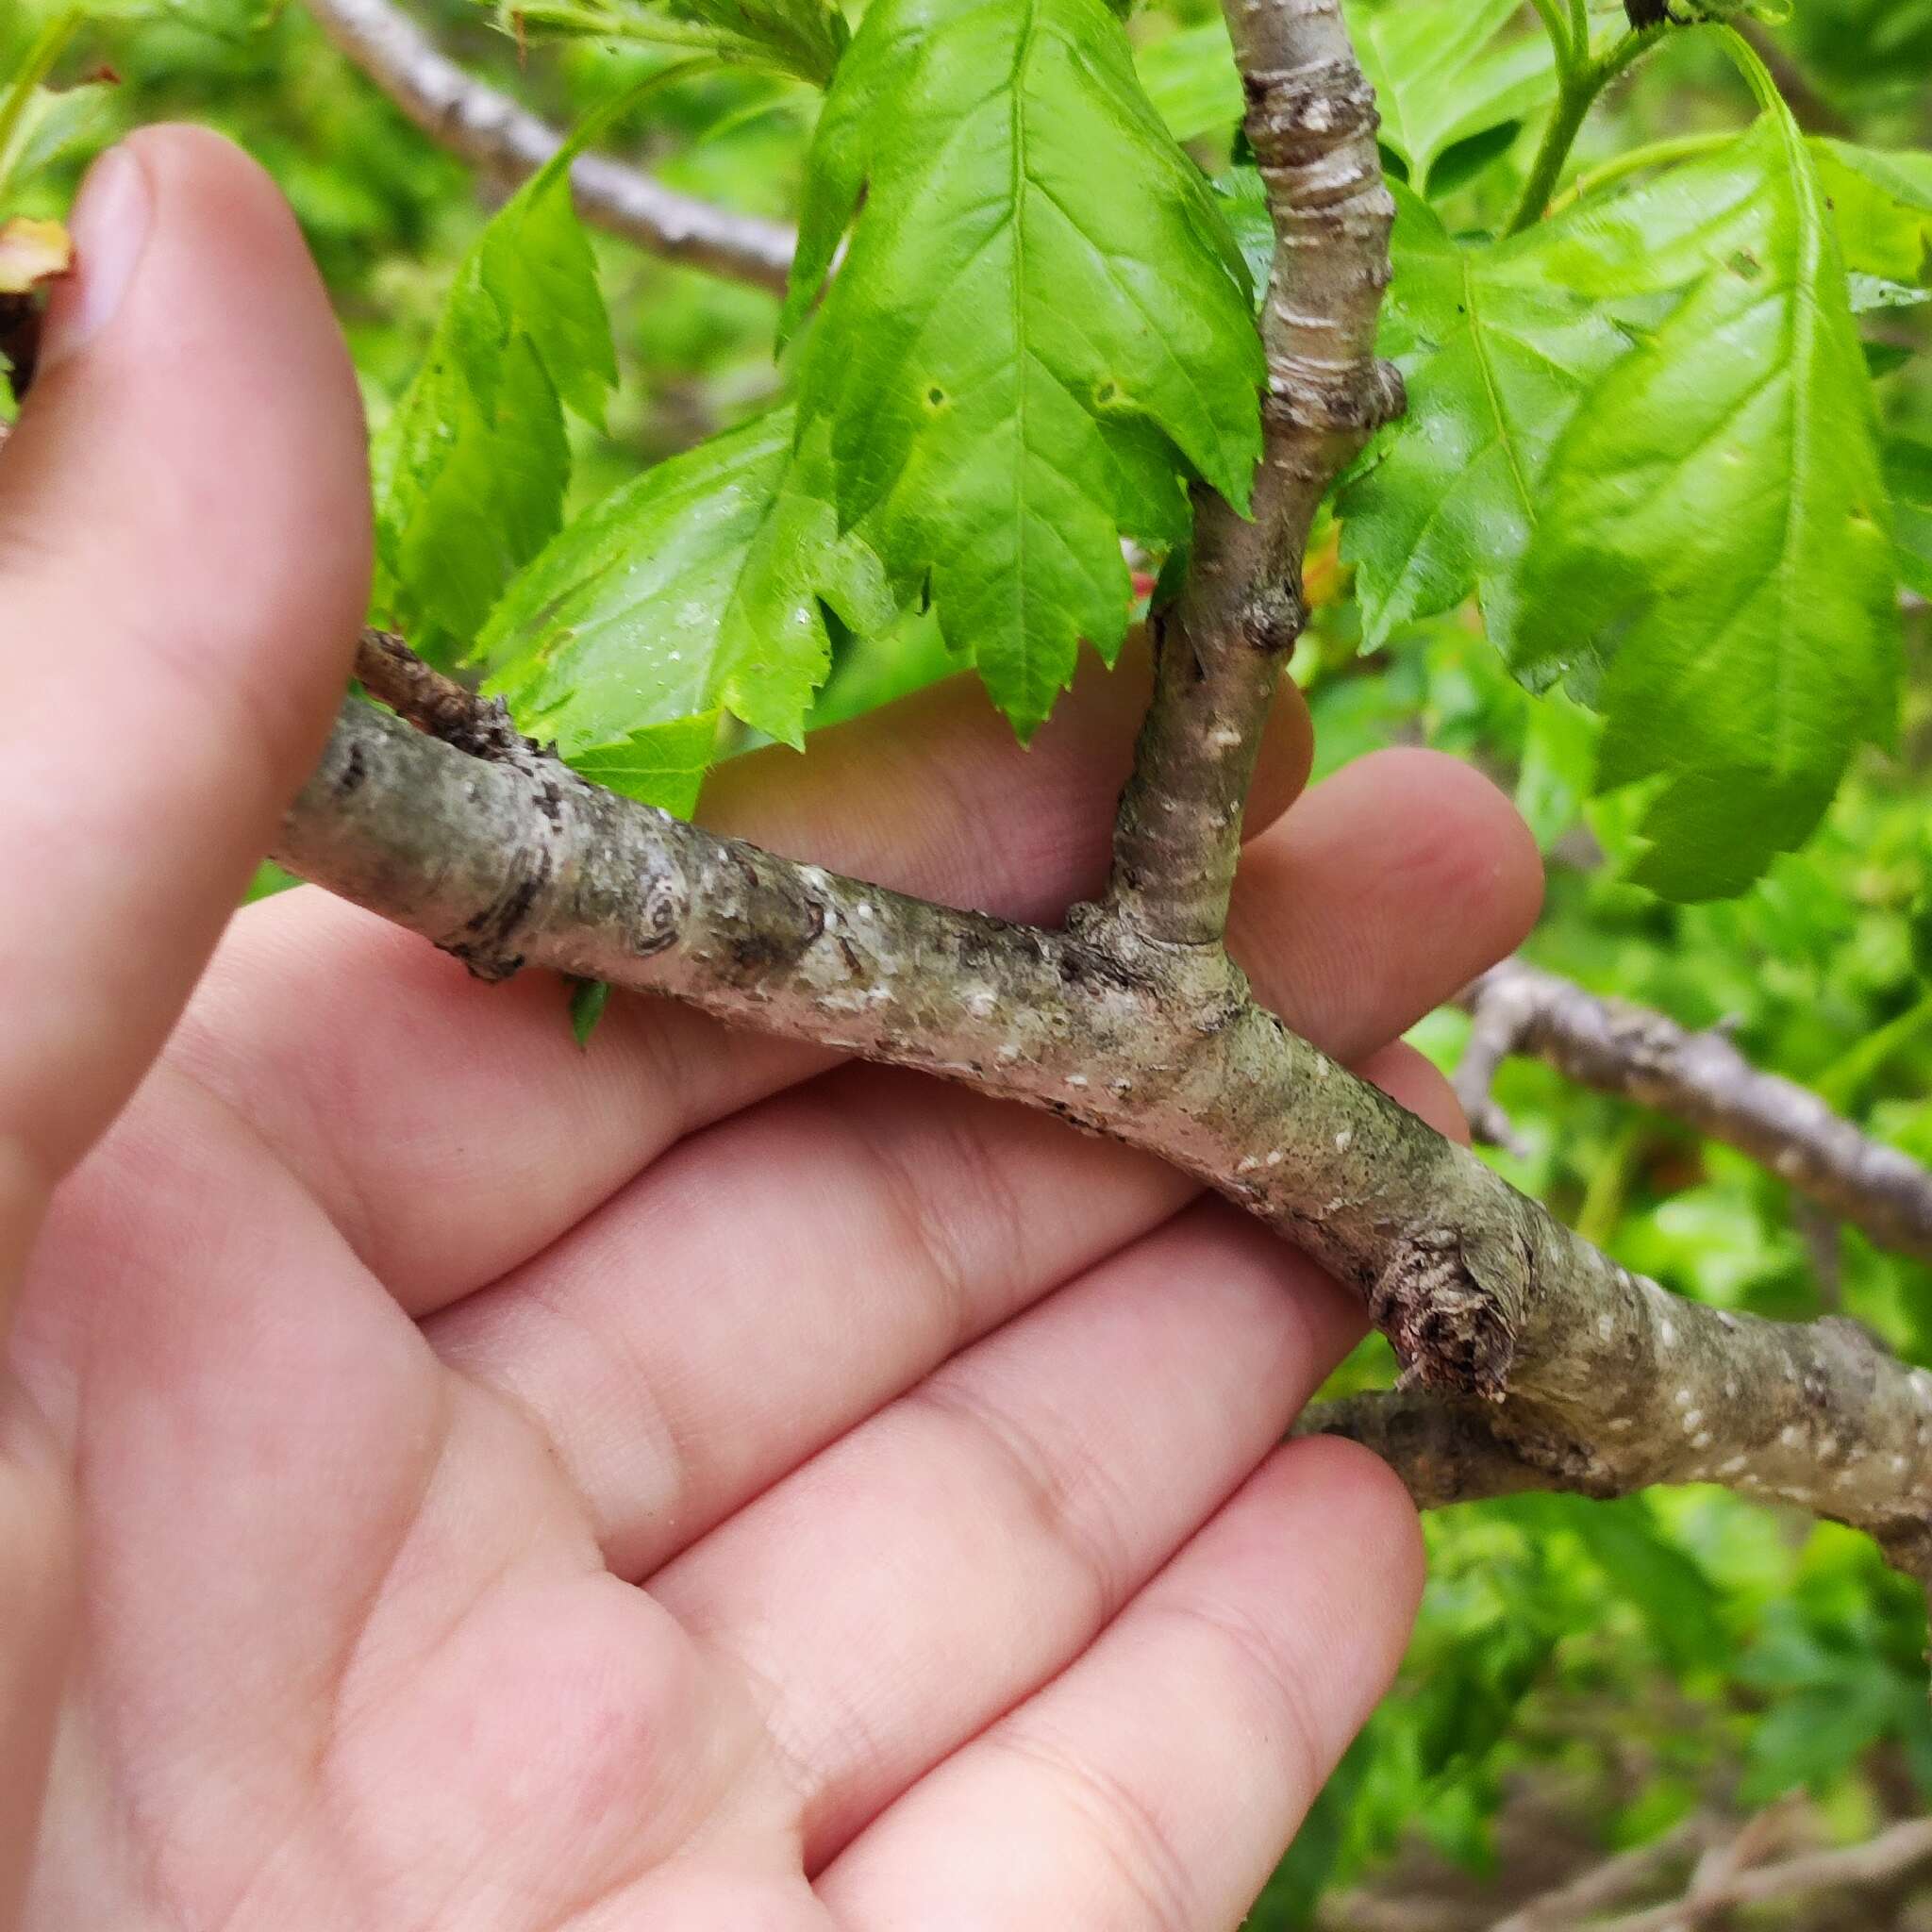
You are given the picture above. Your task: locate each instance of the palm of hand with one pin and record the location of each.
(686, 1485)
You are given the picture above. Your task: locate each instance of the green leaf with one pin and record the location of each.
(45, 124)
(535, 262)
(588, 999)
(1909, 476)
(1042, 322)
(1243, 197)
(803, 38)
(657, 764)
(471, 472)
(694, 590)
(1813, 1738)
(472, 467)
(1714, 545)
(34, 120)
(1447, 71)
(1883, 204)
(1677, 1600)
(1497, 357)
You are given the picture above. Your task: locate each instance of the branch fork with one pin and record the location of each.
(1531, 1359)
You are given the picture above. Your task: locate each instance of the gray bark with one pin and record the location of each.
(1699, 1077)
(1561, 1369)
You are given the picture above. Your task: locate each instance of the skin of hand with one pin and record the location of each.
(684, 1485)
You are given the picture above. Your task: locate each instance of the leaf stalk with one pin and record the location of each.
(1583, 80)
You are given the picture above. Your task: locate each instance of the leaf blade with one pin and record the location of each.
(1497, 357)
(471, 467)
(1040, 293)
(694, 590)
(1717, 540)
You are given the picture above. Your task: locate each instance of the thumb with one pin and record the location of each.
(183, 563)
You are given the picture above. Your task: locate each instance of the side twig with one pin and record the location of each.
(1877, 1861)
(1221, 647)
(492, 133)
(1608, 1883)
(1699, 1077)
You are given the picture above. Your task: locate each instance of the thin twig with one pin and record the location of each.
(1613, 1881)
(492, 132)
(1222, 648)
(1877, 1861)
(1699, 1077)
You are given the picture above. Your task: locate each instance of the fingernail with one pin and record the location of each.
(110, 229)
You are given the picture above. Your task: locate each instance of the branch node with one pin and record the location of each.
(1446, 1327)
(1272, 619)
(1297, 118)
(438, 705)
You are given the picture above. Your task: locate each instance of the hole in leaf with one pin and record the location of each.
(934, 397)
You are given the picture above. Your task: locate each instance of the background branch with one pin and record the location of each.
(1699, 1077)
(1565, 1907)
(1877, 1861)
(493, 133)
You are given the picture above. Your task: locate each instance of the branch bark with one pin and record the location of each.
(1220, 649)
(1567, 1370)
(492, 133)
(1614, 1880)
(1559, 1367)
(1878, 1860)
(1699, 1078)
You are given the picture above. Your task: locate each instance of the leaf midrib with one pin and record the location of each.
(1017, 178)
(1804, 328)
(1479, 344)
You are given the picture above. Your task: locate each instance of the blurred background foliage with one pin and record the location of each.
(1585, 1677)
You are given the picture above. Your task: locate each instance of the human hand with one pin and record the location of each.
(686, 1485)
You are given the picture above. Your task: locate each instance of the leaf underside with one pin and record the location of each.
(1717, 546)
(1642, 435)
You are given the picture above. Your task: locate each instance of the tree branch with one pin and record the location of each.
(1569, 1371)
(1614, 1880)
(1132, 1022)
(1877, 1861)
(1221, 648)
(1699, 1078)
(493, 133)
